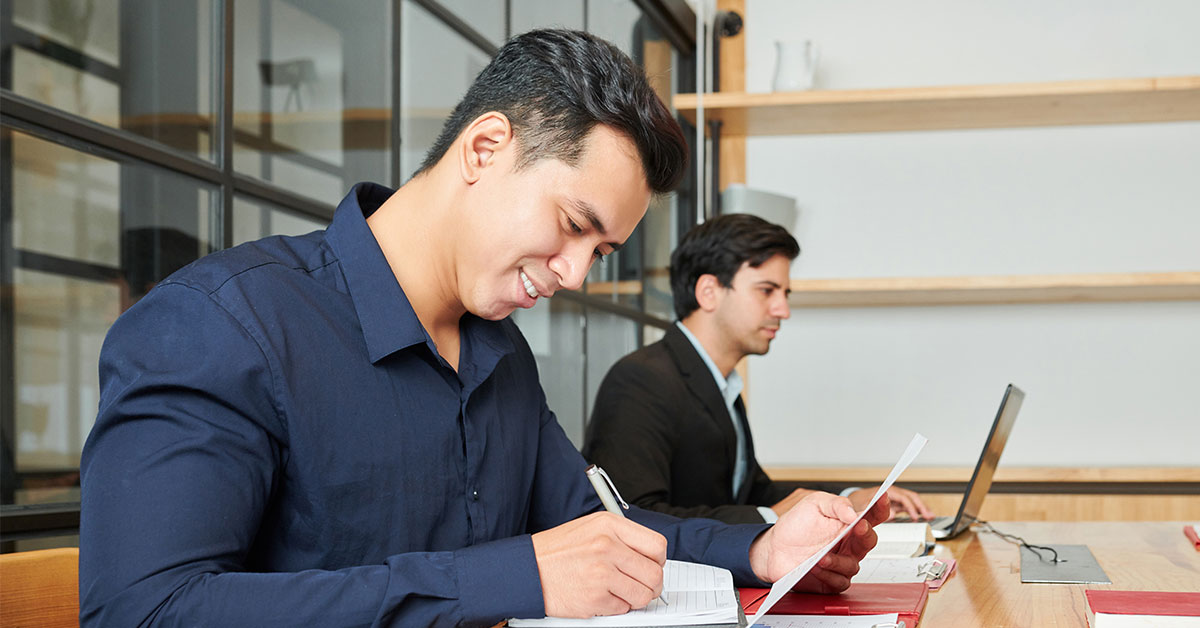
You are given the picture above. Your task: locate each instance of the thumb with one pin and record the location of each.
(838, 508)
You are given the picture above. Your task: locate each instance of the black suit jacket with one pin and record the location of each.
(661, 430)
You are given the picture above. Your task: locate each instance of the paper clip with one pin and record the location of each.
(899, 624)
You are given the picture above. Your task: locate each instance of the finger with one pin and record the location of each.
(880, 512)
(904, 502)
(838, 508)
(642, 540)
(839, 563)
(645, 573)
(612, 605)
(858, 544)
(633, 592)
(829, 581)
(926, 511)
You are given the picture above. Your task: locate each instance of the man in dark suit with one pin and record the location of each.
(669, 425)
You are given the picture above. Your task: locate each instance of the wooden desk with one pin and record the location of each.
(986, 588)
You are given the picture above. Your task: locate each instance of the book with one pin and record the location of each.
(901, 540)
(696, 595)
(1128, 609)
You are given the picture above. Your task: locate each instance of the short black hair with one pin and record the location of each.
(719, 247)
(555, 86)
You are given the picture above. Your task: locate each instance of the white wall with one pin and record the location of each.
(1107, 384)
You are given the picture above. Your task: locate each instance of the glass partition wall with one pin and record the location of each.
(138, 136)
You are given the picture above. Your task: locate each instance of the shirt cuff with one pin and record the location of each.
(768, 515)
(499, 580)
(846, 491)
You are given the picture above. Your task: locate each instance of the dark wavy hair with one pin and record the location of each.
(555, 86)
(719, 247)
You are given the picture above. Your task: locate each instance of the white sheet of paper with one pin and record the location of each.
(892, 569)
(695, 594)
(899, 540)
(785, 584)
(827, 621)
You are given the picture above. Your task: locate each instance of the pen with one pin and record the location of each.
(605, 489)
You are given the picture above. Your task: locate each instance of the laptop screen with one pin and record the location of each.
(981, 480)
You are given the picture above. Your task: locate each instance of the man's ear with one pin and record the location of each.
(487, 135)
(708, 292)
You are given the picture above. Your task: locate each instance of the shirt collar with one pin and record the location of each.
(731, 386)
(388, 321)
(387, 318)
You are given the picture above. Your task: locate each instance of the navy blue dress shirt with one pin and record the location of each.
(279, 443)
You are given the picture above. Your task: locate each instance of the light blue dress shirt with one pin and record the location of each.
(730, 387)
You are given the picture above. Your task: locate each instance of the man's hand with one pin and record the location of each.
(902, 500)
(789, 502)
(600, 564)
(810, 526)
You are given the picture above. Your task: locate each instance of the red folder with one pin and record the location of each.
(1109, 602)
(862, 598)
(1190, 532)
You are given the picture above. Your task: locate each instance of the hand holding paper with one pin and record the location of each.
(789, 541)
(808, 528)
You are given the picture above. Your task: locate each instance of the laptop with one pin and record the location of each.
(981, 480)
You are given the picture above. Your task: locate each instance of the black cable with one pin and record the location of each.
(1014, 538)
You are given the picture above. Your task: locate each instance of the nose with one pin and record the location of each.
(572, 267)
(779, 307)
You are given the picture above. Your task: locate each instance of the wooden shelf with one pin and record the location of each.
(983, 289)
(624, 287)
(1003, 474)
(995, 289)
(358, 129)
(1108, 101)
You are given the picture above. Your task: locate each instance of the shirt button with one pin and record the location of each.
(475, 495)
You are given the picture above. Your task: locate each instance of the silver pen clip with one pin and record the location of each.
(613, 487)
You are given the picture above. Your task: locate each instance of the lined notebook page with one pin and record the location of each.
(696, 594)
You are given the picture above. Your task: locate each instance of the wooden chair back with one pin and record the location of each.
(40, 588)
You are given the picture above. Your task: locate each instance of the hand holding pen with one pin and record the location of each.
(599, 565)
(602, 483)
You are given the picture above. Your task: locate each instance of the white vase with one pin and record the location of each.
(795, 65)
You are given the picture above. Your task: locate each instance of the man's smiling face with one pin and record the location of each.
(533, 231)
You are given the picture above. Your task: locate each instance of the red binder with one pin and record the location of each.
(862, 598)
(1141, 603)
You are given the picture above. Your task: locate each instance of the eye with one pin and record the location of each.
(574, 227)
(598, 254)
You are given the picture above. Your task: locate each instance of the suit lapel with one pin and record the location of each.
(700, 382)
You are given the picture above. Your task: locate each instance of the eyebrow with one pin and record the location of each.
(786, 289)
(589, 213)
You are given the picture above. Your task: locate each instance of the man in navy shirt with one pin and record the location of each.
(345, 429)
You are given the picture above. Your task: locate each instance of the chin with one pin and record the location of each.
(496, 313)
